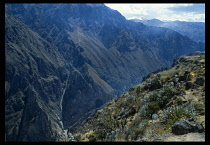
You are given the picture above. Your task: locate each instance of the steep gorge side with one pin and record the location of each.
(38, 80)
(35, 74)
(104, 39)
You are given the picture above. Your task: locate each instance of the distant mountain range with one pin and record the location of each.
(63, 60)
(193, 30)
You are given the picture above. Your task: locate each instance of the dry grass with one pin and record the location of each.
(193, 77)
(87, 135)
(168, 73)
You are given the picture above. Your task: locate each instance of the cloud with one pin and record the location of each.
(190, 17)
(128, 8)
(162, 11)
(192, 8)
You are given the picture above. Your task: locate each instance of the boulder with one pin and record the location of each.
(200, 81)
(182, 77)
(186, 73)
(184, 126)
(188, 85)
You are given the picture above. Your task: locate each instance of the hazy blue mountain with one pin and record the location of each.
(193, 30)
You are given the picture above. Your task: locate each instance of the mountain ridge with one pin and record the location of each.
(194, 30)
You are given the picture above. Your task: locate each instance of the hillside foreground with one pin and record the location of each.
(148, 112)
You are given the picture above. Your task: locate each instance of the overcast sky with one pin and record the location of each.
(191, 12)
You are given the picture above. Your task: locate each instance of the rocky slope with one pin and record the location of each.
(64, 60)
(33, 84)
(39, 78)
(193, 30)
(151, 110)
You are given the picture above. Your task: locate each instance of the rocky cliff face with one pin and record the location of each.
(64, 60)
(35, 76)
(38, 78)
(166, 104)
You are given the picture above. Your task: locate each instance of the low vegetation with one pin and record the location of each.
(148, 110)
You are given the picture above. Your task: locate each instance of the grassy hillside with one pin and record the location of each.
(146, 112)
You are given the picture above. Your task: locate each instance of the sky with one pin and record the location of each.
(190, 12)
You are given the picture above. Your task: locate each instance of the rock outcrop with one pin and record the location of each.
(184, 126)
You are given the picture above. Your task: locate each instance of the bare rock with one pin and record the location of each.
(199, 81)
(184, 126)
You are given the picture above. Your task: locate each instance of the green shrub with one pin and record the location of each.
(190, 111)
(131, 133)
(77, 137)
(129, 100)
(155, 83)
(143, 124)
(153, 108)
(143, 111)
(137, 132)
(100, 134)
(120, 103)
(199, 107)
(92, 138)
(153, 97)
(138, 127)
(170, 91)
(135, 123)
(163, 100)
(131, 89)
(138, 90)
(176, 113)
(181, 90)
(179, 100)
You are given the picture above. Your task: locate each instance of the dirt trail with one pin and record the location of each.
(191, 137)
